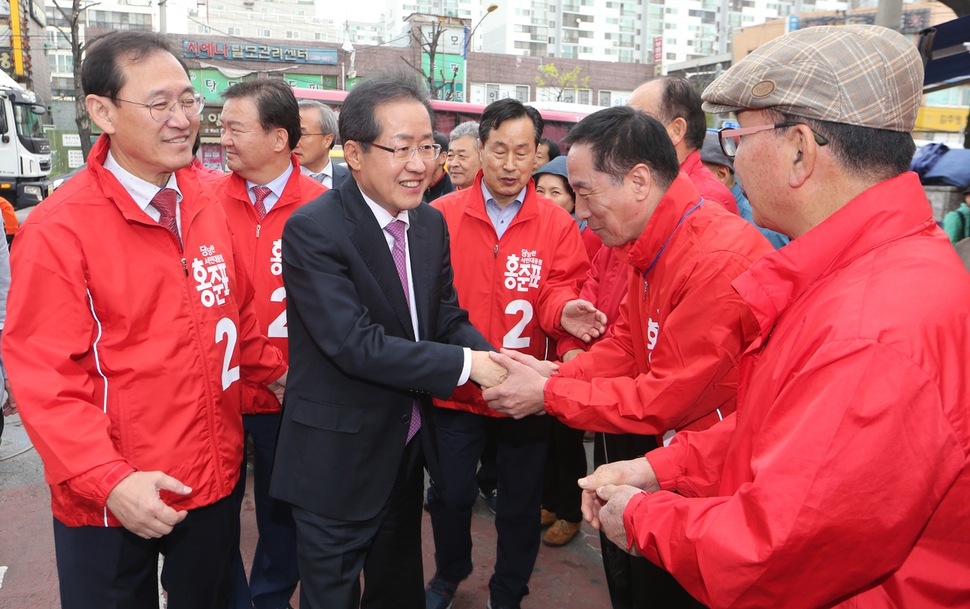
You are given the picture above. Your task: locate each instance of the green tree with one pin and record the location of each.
(551, 76)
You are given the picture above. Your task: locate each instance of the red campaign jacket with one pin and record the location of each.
(605, 287)
(258, 247)
(125, 351)
(707, 184)
(671, 361)
(843, 478)
(515, 288)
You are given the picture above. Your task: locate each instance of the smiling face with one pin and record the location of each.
(553, 187)
(617, 213)
(147, 148)
(507, 158)
(393, 184)
(251, 151)
(464, 161)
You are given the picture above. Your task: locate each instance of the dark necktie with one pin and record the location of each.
(164, 201)
(261, 193)
(396, 230)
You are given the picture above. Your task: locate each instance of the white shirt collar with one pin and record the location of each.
(383, 216)
(140, 190)
(276, 185)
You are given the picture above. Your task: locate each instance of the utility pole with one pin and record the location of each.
(890, 14)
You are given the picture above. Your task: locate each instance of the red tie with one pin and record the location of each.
(261, 193)
(164, 201)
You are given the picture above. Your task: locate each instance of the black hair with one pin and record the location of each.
(554, 150)
(442, 140)
(275, 104)
(358, 121)
(101, 72)
(620, 138)
(681, 100)
(508, 109)
(877, 154)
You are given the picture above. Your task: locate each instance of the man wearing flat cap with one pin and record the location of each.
(842, 479)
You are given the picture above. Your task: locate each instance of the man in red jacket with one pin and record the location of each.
(669, 364)
(673, 101)
(518, 262)
(130, 324)
(260, 128)
(842, 480)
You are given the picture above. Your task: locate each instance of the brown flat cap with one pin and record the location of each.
(862, 75)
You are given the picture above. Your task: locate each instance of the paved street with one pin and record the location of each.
(567, 578)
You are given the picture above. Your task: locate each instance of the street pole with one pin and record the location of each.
(468, 37)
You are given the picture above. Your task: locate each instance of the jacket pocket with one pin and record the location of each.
(321, 415)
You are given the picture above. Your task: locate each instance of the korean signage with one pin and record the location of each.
(658, 54)
(199, 49)
(448, 69)
(210, 83)
(310, 81)
(952, 120)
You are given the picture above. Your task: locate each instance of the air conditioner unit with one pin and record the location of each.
(526, 52)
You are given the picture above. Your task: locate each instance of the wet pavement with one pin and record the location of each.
(570, 577)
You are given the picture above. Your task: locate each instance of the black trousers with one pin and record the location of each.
(112, 568)
(387, 548)
(565, 465)
(635, 582)
(521, 455)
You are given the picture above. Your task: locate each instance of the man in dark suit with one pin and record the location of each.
(375, 331)
(318, 125)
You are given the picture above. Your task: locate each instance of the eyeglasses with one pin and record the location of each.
(163, 109)
(731, 138)
(428, 152)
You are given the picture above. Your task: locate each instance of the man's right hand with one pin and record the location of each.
(135, 502)
(635, 472)
(485, 372)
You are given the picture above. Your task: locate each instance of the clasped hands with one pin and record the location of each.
(518, 391)
(608, 490)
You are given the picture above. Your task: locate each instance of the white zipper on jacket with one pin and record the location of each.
(97, 363)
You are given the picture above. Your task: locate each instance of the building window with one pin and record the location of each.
(319, 36)
(292, 34)
(606, 98)
(264, 33)
(235, 31)
(202, 29)
(671, 56)
(522, 93)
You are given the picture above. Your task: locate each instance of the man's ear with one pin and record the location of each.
(677, 130)
(102, 111)
(353, 155)
(282, 140)
(804, 154)
(641, 181)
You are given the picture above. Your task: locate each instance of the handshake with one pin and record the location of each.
(513, 382)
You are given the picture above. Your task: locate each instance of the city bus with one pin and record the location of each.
(449, 114)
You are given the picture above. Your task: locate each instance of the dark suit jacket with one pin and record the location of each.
(340, 174)
(355, 368)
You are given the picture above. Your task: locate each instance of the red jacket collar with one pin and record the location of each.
(888, 211)
(529, 209)
(677, 201)
(188, 182)
(292, 193)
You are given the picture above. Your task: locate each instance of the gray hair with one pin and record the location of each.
(465, 129)
(328, 118)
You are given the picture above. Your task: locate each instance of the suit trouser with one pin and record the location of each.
(565, 465)
(112, 568)
(274, 574)
(387, 548)
(635, 582)
(521, 456)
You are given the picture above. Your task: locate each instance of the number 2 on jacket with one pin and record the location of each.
(225, 328)
(514, 338)
(277, 329)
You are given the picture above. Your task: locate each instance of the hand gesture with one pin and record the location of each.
(9, 405)
(522, 392)
(485, 372)
(136, 503)
(584, 321)
(607, 505)
(278, 387)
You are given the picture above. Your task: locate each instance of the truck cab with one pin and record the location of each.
(25, 151)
